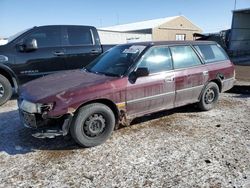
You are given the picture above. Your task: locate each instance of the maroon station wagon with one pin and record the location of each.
(128, 81)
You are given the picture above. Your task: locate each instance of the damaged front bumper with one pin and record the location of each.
(46, 128)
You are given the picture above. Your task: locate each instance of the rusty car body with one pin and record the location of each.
(128, 81)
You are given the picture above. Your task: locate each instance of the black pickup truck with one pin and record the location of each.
(44, 50)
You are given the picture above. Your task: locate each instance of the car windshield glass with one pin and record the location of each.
(116, 61)
(13, 37)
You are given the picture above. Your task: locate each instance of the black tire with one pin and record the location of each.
(209, 97)
(5, 90)
(92, 125)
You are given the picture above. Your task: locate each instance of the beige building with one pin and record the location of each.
(170, 28)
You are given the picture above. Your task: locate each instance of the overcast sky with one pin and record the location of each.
(16, 15)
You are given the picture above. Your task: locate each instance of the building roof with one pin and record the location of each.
(149, 24)
(246, 10)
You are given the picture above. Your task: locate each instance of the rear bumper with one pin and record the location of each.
(227, 84)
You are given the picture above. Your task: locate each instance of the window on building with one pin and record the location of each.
(180, 37)
(158, 59)
(211, 53)
(184, 56)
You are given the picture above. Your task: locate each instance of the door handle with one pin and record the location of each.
(58, 53)
(205, 73)
(94, 51)
(169, 79)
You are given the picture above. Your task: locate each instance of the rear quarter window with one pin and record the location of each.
(79, 36)
(211, 52)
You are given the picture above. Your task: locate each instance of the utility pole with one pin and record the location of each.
(235, 4)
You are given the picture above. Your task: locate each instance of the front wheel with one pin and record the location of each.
(5, 90)
(209, 97)
(93, 125)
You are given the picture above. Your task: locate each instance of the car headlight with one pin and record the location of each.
(35, 107)
(3, 58)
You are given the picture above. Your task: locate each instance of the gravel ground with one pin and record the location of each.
(176, 148)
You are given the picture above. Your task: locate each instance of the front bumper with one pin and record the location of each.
(32, 120)
(46, 128)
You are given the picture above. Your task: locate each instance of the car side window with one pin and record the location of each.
(79, 36)
(184, 56)
(158, 59)
(211, 53)
(46, 37)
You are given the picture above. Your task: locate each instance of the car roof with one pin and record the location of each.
(46, 26)
(158, 43)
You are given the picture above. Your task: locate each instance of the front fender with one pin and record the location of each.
(11, 75)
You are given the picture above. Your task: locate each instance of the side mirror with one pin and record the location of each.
(141, 72)
(28, 45)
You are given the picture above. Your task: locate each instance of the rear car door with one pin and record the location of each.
(155, 91)
(218, 64)
(190, 74)
(48, 58)
(81, 46)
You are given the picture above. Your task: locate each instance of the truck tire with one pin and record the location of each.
(209, 97)
(5, 90)
(92, 125)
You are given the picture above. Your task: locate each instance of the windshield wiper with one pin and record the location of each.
(88, 70)
(110, 74)
(102, 73)
(85, 69)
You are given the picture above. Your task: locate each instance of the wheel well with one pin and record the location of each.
(218, 82)
(8, 76)
(108, 103)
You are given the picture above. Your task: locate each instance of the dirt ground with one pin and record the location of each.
(177, 148)
(242, 73)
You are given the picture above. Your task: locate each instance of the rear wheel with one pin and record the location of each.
(209, 97)
(93, 125)
(5, 90)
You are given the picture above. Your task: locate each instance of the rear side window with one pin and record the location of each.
(184, 56)
(79, 36)
(211, 53)
(157, 59)
(47, 37)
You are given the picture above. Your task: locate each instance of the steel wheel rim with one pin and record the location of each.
(209, 96)
(1, 90)
(94, 125)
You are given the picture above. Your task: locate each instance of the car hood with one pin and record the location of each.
(66, 81)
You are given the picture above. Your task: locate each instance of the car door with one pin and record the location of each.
(190, 74)
(47, 58)
(80, 45)
(155, 91)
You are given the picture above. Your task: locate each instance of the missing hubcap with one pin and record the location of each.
(1, 90)
(94, 125)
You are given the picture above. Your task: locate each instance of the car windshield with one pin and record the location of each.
(13, 37)
(116, 61)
